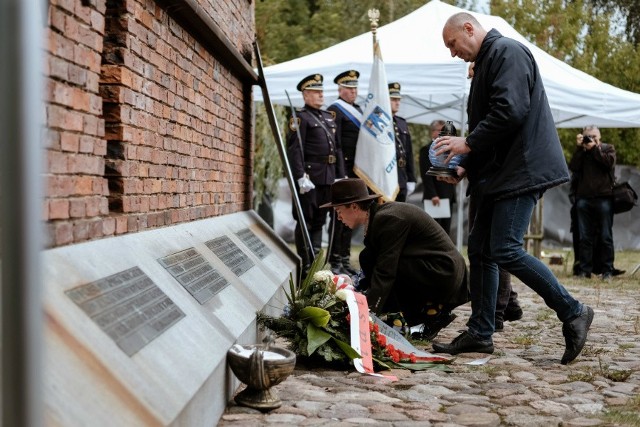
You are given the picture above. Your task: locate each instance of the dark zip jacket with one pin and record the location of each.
(513, 139)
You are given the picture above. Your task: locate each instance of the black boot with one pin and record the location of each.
(433, 325)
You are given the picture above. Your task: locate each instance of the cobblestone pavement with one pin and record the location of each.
(523, 384)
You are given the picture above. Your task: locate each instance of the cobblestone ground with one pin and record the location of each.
(523, 384)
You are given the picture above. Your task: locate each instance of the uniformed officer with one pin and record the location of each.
(404, 150)
(348, 116)
(316, 161)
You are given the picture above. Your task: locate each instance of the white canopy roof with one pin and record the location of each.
(435, 85)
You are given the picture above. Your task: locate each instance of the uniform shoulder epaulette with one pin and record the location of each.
(331, 113)
(292, 123)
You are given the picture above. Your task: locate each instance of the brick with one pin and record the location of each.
(57, 162)
(58, 209)
(91, 124)
(92, 206)
(60, 46)
(77, 75)
(108, 227)
(77, 208)
(122, 225)
(63, 233)
(83, 185)
(80, 231)
(58, 68)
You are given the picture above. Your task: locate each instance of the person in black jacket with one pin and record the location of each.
(433, 189)
(348, 117)
(593, 165)
(409, 264)
(316, 161)
(404, 150)
(513, 154)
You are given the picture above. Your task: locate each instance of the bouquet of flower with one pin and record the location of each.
(315, 321)
(316, 324)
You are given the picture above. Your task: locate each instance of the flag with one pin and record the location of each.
(375, 161)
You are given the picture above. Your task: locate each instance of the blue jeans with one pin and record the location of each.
(497, 239)
(595, 222)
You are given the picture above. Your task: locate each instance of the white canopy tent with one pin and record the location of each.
(435, 85)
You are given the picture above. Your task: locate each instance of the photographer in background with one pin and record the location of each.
(593, 165)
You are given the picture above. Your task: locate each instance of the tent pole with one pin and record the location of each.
(461, 186)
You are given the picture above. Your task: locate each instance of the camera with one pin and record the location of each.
(586, 139)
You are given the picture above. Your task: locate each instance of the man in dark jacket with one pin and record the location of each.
(409, 264)
(316, 161)
(404, 149)
(513, 156)
(593, 165)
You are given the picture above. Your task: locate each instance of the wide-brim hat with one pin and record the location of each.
(349, 190)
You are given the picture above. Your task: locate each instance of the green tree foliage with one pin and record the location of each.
(595, 36)
(599, 37)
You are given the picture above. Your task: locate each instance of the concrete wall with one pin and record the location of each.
(145, 127)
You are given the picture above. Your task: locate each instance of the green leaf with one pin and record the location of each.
(316, 315)
(347, 349)
(292, 290)
(315, 338)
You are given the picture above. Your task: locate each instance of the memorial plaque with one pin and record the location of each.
(128, 307)
(230, 254)
(254, 243)
(195, 274)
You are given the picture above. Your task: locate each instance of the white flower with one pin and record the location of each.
(324, 276)
(341, 294)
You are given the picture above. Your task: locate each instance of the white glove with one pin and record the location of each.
(411, 187)
(305, 184)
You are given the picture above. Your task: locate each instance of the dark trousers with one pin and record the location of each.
(595, 224)
(598, 249)
(402, 195)
(506, 294)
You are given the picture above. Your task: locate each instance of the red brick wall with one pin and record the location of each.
(145, 128)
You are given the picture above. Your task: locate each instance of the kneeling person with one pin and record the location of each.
(410, 264)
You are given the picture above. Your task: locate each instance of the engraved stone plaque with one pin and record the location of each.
(128, 307)
(195, 274)
(254, 243)
(230, 254)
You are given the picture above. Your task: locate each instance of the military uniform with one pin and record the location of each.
(317, 155)
(404, 149)
(348, 118)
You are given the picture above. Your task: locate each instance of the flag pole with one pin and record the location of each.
(374, 15)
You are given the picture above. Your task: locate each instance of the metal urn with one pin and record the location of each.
(439, 166)
(260, 367)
